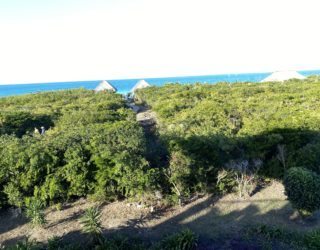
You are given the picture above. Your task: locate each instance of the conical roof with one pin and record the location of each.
(280, 76)
(105, 86)
(140, 85)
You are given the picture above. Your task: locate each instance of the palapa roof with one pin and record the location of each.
(140, 85)
(280, 76)
(105, 86)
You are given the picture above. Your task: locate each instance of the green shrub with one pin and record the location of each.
(34, 211)
(14, 195)
(270, 237)
(225, 181)
(91, 223)
(292, 239)
(54, 243)
(214, 124)
(26, 244)
(302, 187)
(312, 239)
(185, 240)
(308, 156)
(94, 147)
(179, 174)
(119, 242)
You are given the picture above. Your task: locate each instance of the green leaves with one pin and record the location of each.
(93, 146)
(91, 223)
(214, 124)
(303, 189)
(34, 211)
(184, 240)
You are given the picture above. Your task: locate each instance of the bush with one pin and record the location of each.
(271, 236)
(225, 181)
(24, 245)
(92, 146)
(312, 239)
(215, 124)
(179, 174)
(185, 240)
(34, 211)
(14, 196)
(119, 242)
(91, 222)
(302, 187)
(54, 243)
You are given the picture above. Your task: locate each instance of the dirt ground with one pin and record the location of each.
(211, 218)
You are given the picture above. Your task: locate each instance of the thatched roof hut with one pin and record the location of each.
(140, 85)
(105, 86)
(280, 76)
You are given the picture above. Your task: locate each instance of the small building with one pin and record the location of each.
(140, 85)
(105, 86)
(280, 76)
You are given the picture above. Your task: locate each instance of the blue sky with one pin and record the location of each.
(65, 40)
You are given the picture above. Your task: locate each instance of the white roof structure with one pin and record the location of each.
(105, 86)
(140, 85)
(280, 76)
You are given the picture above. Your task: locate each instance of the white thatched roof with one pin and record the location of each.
(140, 85)
(105, 86)
(280, 76)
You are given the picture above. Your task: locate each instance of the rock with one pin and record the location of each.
(158, 195)
(140, 205)
(82, 200)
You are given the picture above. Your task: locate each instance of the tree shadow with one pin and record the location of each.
(73, 216)
(216, 228)
(13, 241)
(21, 123)
(16, 220)
(259, 187)
(214, 151)
(220, 223)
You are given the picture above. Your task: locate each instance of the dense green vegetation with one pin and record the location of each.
(209, 138)
(242, 129)
(213, 136)
(278, 238)
(257, 237)
(92, 145)
(184, 240)
(303, 189)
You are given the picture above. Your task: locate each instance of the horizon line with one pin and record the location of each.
(156, 77)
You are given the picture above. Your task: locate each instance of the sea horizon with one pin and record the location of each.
(125, 85)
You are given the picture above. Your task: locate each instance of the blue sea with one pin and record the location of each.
(124, 86)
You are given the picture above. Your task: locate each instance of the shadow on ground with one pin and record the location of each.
(219, 223)
(16, 220)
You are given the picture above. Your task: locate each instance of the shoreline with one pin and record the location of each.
(125, 85)
(160, 77)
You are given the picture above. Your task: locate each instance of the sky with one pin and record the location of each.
(70, 40)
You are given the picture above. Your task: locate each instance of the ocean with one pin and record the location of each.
(124, 86)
